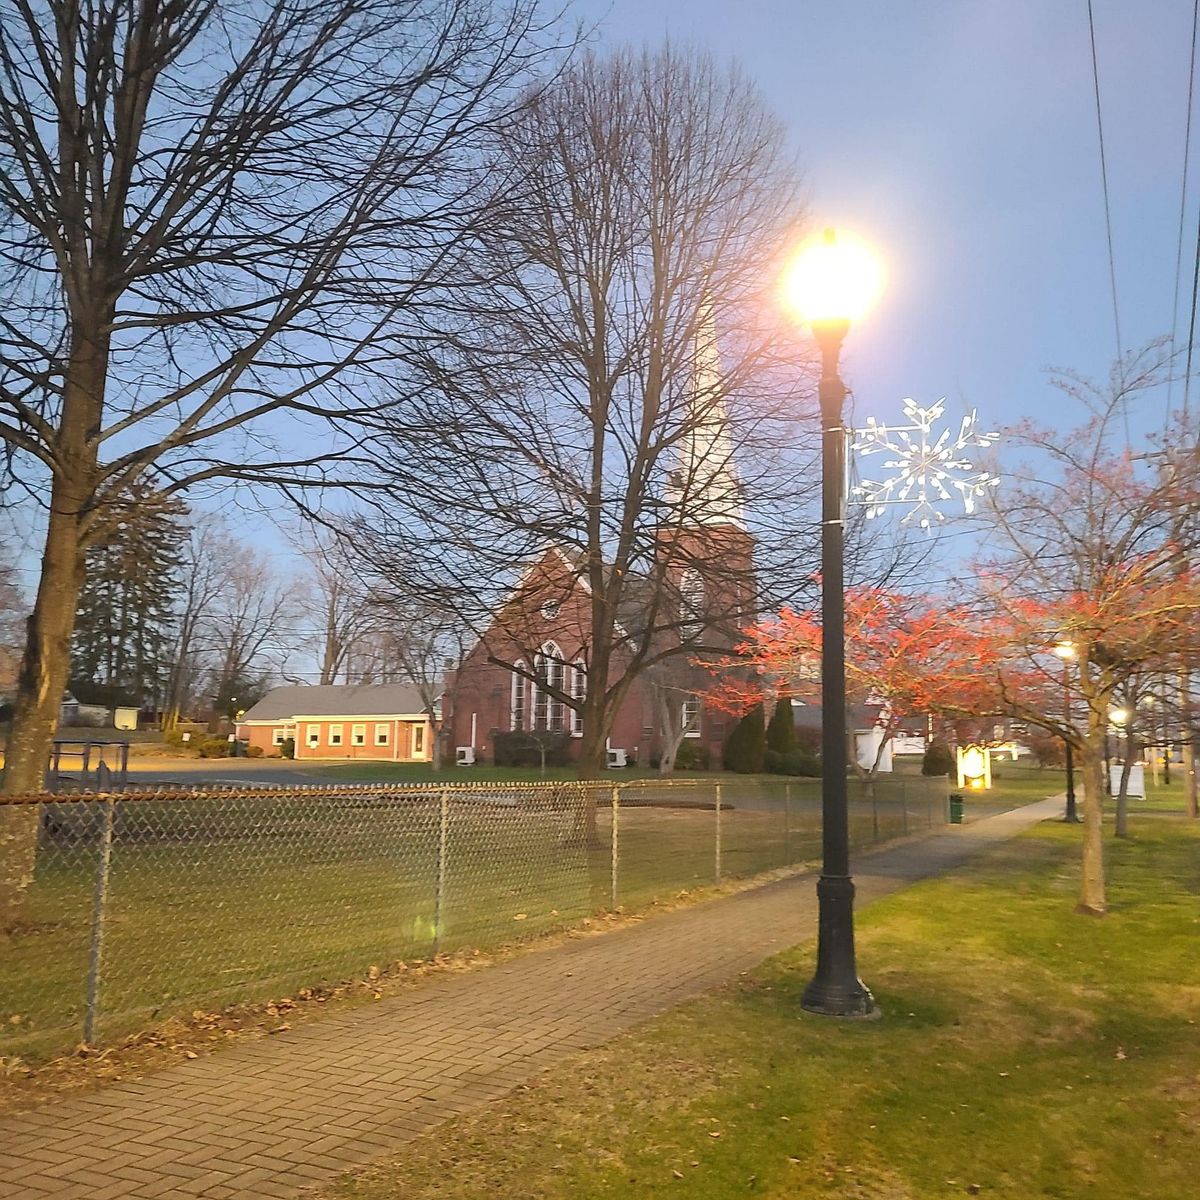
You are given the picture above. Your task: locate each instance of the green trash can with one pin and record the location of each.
(956, 808)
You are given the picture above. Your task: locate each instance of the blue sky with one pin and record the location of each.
(959, 137)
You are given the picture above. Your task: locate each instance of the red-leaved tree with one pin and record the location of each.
(1091, 556)
(903, 653)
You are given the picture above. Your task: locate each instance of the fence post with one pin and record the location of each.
(439, 902)
(787, 824)
(616, 847)
(99, 904)
(718, 834)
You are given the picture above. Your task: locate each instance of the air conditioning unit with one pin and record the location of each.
(617, 758)
(464, 756)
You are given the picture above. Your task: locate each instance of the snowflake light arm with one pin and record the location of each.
(928, 470)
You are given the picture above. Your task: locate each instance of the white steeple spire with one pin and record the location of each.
(704, 488)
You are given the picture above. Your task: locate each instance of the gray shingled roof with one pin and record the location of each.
(337, 700)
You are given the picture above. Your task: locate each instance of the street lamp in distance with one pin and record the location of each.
(1066, 651)
(832, 281)
(1118, 718)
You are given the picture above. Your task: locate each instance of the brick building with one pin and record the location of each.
(698, 593)
(384, 722)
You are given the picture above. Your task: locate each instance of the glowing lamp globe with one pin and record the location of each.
(973, 765)
(1065, 650)
(1118, 716)
(834, 279)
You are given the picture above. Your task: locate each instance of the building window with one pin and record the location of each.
(578, 694)
(549, 712)
(691, 717)
(277, 736)
(517, 703)
(358, 735)
(381, 735)
(335, 735)
(312, 735)
(418, 740)
(556, 678)
(550, 610)
(691, 603)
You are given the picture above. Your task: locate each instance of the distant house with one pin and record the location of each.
(865, 722)
(383, 721)
(80, 713)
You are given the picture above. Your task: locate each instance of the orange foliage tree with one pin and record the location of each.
(1091, 551)
(904, 653)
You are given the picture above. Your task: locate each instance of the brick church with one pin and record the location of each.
(685, 609)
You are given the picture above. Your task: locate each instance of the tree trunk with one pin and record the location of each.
(673, 731)
(1122, 822)
(1092, 898)
(47, 658)
(591, 764)
(18, 850)
(1187, 729)
(40, 686)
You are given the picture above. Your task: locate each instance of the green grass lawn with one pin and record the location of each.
(1024, 1051)
(215, 901)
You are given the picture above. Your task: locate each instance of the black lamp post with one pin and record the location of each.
(830, 281)
(836, 989)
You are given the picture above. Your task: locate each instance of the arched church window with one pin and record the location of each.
(517, 712)
(549, 711)
(578, 694)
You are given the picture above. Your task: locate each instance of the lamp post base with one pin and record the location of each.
(854, 1002)
(836, 990)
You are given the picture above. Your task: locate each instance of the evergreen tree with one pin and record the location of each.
(745, 748)
(781, 732)
(125, 621)
(938, 759)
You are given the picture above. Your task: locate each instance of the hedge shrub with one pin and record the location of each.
(517, 748)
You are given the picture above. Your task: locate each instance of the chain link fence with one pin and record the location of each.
(147, 906)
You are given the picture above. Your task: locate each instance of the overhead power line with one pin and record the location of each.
(1112, 264)
(1183, 190)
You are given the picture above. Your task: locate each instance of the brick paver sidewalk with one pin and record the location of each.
(267, 1118)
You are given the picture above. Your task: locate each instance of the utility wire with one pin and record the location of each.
(1187, 141)
(1187, 373)
(1112, 265)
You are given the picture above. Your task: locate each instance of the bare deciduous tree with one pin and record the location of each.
(1086, 552)
(212, 215)
(12, 612)
(344, 609)
(244, 633)
(202, 577)
(578, 399)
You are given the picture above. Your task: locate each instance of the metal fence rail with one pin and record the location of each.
(145, 906)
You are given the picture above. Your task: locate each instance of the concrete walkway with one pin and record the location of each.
(270, 1117)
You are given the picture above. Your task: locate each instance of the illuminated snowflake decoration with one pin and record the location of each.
(930, 467)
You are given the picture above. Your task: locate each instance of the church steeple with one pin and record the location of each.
(704, 487)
